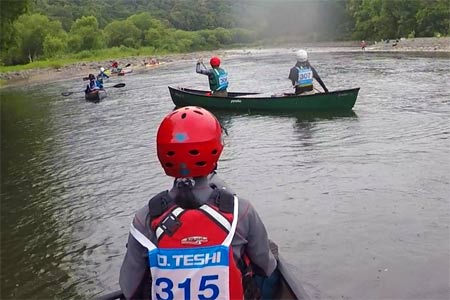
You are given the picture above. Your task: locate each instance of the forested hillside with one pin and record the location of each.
(46, 29)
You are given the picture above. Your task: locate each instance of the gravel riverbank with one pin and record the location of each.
(82, 69)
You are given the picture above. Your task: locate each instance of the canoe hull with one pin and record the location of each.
(331, 101)
(95, 96)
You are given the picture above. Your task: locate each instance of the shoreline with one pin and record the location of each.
(415, 45)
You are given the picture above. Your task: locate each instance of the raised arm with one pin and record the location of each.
(201, 69)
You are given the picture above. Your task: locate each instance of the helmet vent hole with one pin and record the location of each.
(194, 152)
(168, 165)
(183, 116)
(170, 153)
(200, 163)
(214, 152)
(198, 112)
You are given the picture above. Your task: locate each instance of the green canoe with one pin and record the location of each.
(332, 101)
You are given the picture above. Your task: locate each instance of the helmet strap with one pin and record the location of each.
(185, 197)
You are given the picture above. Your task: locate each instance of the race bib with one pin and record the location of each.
(305, 77)
(199, 273)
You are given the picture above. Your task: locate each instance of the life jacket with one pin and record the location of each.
(305, 77)
(193, 257)
(94, 85)
(218, 81)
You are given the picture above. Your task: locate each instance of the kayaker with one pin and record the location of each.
(102, 75)
(302, 74)
(196, 240)
(115, 67)
(93, 84)
(218, 78)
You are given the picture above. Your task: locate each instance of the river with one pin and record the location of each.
(358, 202)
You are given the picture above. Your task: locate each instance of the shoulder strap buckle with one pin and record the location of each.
(170, 224)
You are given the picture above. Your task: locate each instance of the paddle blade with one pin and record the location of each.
(67, 93)
(119, 85)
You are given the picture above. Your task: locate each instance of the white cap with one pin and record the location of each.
(102, 69)
(301, 55)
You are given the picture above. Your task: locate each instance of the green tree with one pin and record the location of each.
(10, 10)
(86, 35)
(388, 19)
(143, 21)
(54, 46)
(123, 33)
(154, 36)
(434, 18)
(32, 31)
(223, 35)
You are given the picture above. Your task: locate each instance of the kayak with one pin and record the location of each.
(119, 71)
(125, 71)
(290, 287)
(95, 96)
(340, 100)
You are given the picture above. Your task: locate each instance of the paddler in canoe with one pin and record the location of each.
(303, 74)
(196, 241)
(218, 78)
(93, 85)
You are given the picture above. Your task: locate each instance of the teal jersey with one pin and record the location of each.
(219, 80)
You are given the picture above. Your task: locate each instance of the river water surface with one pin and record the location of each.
(358, 202)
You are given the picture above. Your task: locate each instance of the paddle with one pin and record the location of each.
(119, 85)
(201, 61)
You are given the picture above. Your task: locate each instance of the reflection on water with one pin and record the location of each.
(33, 248)
(357, 202)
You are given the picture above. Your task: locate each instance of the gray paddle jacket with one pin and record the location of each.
(250, 238)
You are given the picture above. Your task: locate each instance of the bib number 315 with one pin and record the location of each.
(207, 289)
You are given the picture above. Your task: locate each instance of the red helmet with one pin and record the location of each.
(214, 61)
(189, 142)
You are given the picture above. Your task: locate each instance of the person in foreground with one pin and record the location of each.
(93, 84)
(302, 74)
(218, 78)
(196, 240)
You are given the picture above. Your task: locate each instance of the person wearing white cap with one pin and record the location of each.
(302, 74)
(102, 75)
